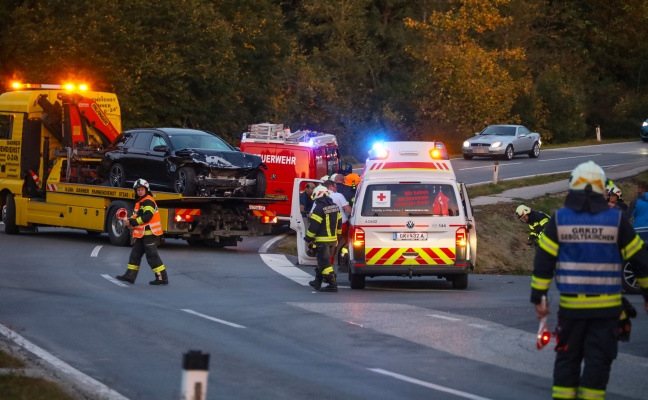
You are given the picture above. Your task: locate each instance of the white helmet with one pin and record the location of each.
(522, 210)
(141, 183)
(615, 190)
(324, 178)
(588, 174)
(319, 192)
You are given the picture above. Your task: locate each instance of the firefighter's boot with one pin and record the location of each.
(161, 278)
(317, 282)
(332, 283)
(129, 276)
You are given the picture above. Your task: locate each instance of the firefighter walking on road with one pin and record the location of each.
(324, 227)
(536, 221)
(147, 229)
(584, 245)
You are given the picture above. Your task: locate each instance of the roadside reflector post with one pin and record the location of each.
(195, 365)
(598, 133)
(496, 172)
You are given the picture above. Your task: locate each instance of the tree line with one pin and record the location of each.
(361, 69)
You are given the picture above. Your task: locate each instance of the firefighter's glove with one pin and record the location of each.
(308, 240)
(625, 326)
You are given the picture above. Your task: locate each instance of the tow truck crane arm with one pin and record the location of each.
(77, 112)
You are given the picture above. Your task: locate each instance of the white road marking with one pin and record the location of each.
(480, 326)
(429, 385)
(115, 281)
(269, 243)
(89, 384)
(95, 252)
(443, 317)
(220, 321)
(489, 166)
(280, 264)
(567, 158)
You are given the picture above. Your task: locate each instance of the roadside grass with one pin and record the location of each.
(15, 385)
(490, 189)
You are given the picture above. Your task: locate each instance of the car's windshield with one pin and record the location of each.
(409, 199)
(499, 130)
(205, 141)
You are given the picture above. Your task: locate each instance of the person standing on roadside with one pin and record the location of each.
(345, 211)
(536, 221)
(147, 229)
(584, 245)
(639, 207)
(344, 190)
(323, 229)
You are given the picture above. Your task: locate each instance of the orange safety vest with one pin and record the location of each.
(155, 223)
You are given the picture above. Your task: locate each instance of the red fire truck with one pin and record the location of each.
(289, 155)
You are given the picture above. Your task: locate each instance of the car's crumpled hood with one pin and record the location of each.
(221, 159)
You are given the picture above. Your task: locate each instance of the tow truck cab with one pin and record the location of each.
(411, 217)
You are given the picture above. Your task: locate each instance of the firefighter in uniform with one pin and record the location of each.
(147, 229)
(584, 245)
(324, 227)
(536, 221)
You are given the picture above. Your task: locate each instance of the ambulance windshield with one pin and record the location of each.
(410, 199)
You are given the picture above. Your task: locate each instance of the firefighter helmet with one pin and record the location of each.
(319, 192)
(352, 179)
(522, 210)
(615, 190)
(324, 178)
(141, 183)
(588, 174)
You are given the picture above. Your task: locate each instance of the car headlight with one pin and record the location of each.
(467, 143)
(496, 144)
(645, 123)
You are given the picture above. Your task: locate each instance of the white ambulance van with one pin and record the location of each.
(411, 217)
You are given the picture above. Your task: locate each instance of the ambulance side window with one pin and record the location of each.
(6, 125)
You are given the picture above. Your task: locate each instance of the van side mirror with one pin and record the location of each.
(348, 168)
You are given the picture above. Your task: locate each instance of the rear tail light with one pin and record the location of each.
(358, 237)
(186, 214)
(461, 237)
(268, 219)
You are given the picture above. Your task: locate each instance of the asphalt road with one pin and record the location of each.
(270, 336)
(619, 156)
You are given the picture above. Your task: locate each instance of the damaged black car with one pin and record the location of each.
(186, 161)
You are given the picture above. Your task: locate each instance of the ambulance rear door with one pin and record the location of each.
(470, 223)
(300, 224)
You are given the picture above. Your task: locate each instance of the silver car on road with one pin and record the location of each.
(503, 141)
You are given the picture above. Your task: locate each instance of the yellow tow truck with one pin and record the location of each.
(51, 141)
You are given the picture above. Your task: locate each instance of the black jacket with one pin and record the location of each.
(325, 223)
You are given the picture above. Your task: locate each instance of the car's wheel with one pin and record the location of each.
(118, 234)
(629, 281)
(259, 188)
(357, 281)
(467, 157)
(535, 151)
(460, 281)
(9, 216)
(508, 154)
(185, 182)
(117, 177)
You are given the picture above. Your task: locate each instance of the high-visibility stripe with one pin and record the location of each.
(540, 283)
(439, 166)
(588, 302)
(410, 256)
(187, 211)
(259, 213)
(548, 245)
(632, 248)
(133, 267)
(561, 392)
(590, 394)
(316, 217)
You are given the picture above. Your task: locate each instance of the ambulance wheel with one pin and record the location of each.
(185, 182)
(259, 188)
(460, 281)
(117, 177)
(357, 281)
(119, 235)
(9, 216)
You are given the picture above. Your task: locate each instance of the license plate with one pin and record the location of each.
(410, 236)
(480, 151)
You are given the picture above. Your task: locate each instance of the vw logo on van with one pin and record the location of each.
(410, 224)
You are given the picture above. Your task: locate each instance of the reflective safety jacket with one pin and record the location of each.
(325, 221)
(146, 218)
(536, 221)
(585, 251)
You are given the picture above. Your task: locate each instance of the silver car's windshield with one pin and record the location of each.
(499, 131)
(205, 141)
